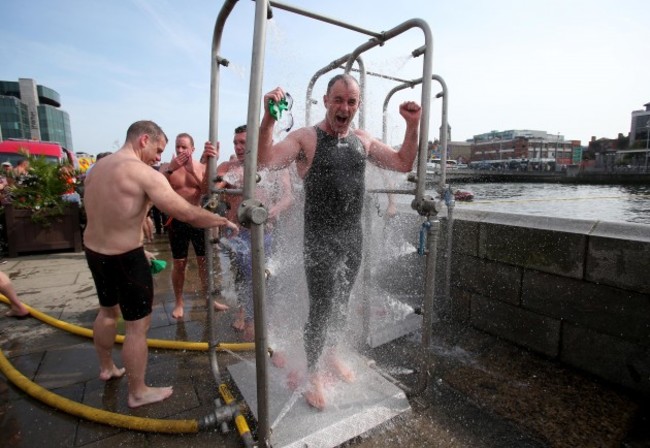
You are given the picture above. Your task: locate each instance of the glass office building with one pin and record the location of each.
(32, 111)
(14, 118)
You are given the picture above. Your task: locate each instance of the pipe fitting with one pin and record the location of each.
(222, 61)
(425, 206)
(418, 51)
(220, 415)
(211, 203)
(252, 211)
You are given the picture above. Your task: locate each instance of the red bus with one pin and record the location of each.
(11, 150)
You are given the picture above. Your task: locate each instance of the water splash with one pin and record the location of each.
(248, 362)
(341, 143)
(288, 406)
(240, 71)
(234, 178)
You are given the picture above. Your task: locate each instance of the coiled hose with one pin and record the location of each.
(119, 420)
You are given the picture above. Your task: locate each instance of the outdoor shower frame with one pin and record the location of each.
(252, 213)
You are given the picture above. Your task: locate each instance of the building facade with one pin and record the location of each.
(522, 144)
(640, 128)
(31, 111)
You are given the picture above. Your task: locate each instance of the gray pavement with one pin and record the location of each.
(482, 391)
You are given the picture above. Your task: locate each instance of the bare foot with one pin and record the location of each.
(278, 359)
(238, 324)
(178, 312)
(315, 395)
(294, 378)
(249, 331)
(220, 306)
(114, 372)
(151, 395)
(18, 314)
(340, 368)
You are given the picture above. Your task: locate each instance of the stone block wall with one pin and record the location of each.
(574, 290)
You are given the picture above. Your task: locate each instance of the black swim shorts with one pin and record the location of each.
(180, 235)
(123, 279)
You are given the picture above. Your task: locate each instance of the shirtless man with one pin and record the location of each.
(118, 195)
(331, 159)
(187, 177)
(274, 191)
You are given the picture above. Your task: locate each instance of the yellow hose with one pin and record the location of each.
(152, 343)
(111, 418)
(240, 422)
(93, 414)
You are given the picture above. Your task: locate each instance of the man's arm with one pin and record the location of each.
(282, 153)
(169, 202)
(402, 160)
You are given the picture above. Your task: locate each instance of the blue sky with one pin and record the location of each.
(574, 67)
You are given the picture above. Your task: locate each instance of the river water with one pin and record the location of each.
(599, 202)
(618, 203)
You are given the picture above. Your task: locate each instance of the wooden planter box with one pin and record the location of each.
(25, 236)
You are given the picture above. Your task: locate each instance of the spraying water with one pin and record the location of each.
(341, 143)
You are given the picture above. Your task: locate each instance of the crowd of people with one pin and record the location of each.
(10, 174)
(124, 200)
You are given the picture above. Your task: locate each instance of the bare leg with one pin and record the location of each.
(315, 394)
(134, 354)
(294, 378)
(238, 324)
(178, 280)
(335, 364)
(278, 359)
(249, 331)
(7, 289)
(220, 306)
(104, 330)
(203, 275)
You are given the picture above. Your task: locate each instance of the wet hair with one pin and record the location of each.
(186, 135)
(347, 79)
(101, 155)
(145, 127)
(240, 129)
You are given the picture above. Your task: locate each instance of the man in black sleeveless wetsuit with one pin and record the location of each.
(331, 159)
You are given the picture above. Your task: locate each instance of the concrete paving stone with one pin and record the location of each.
(191, 331)
(40, 279)
(28, 423)
(204, 439)
(93, 435)
(84, 319)
(53, 299)
(26, 365)
(106, 395)
(502, 388)
(161, 314)
(31, 335)
(65, 366)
